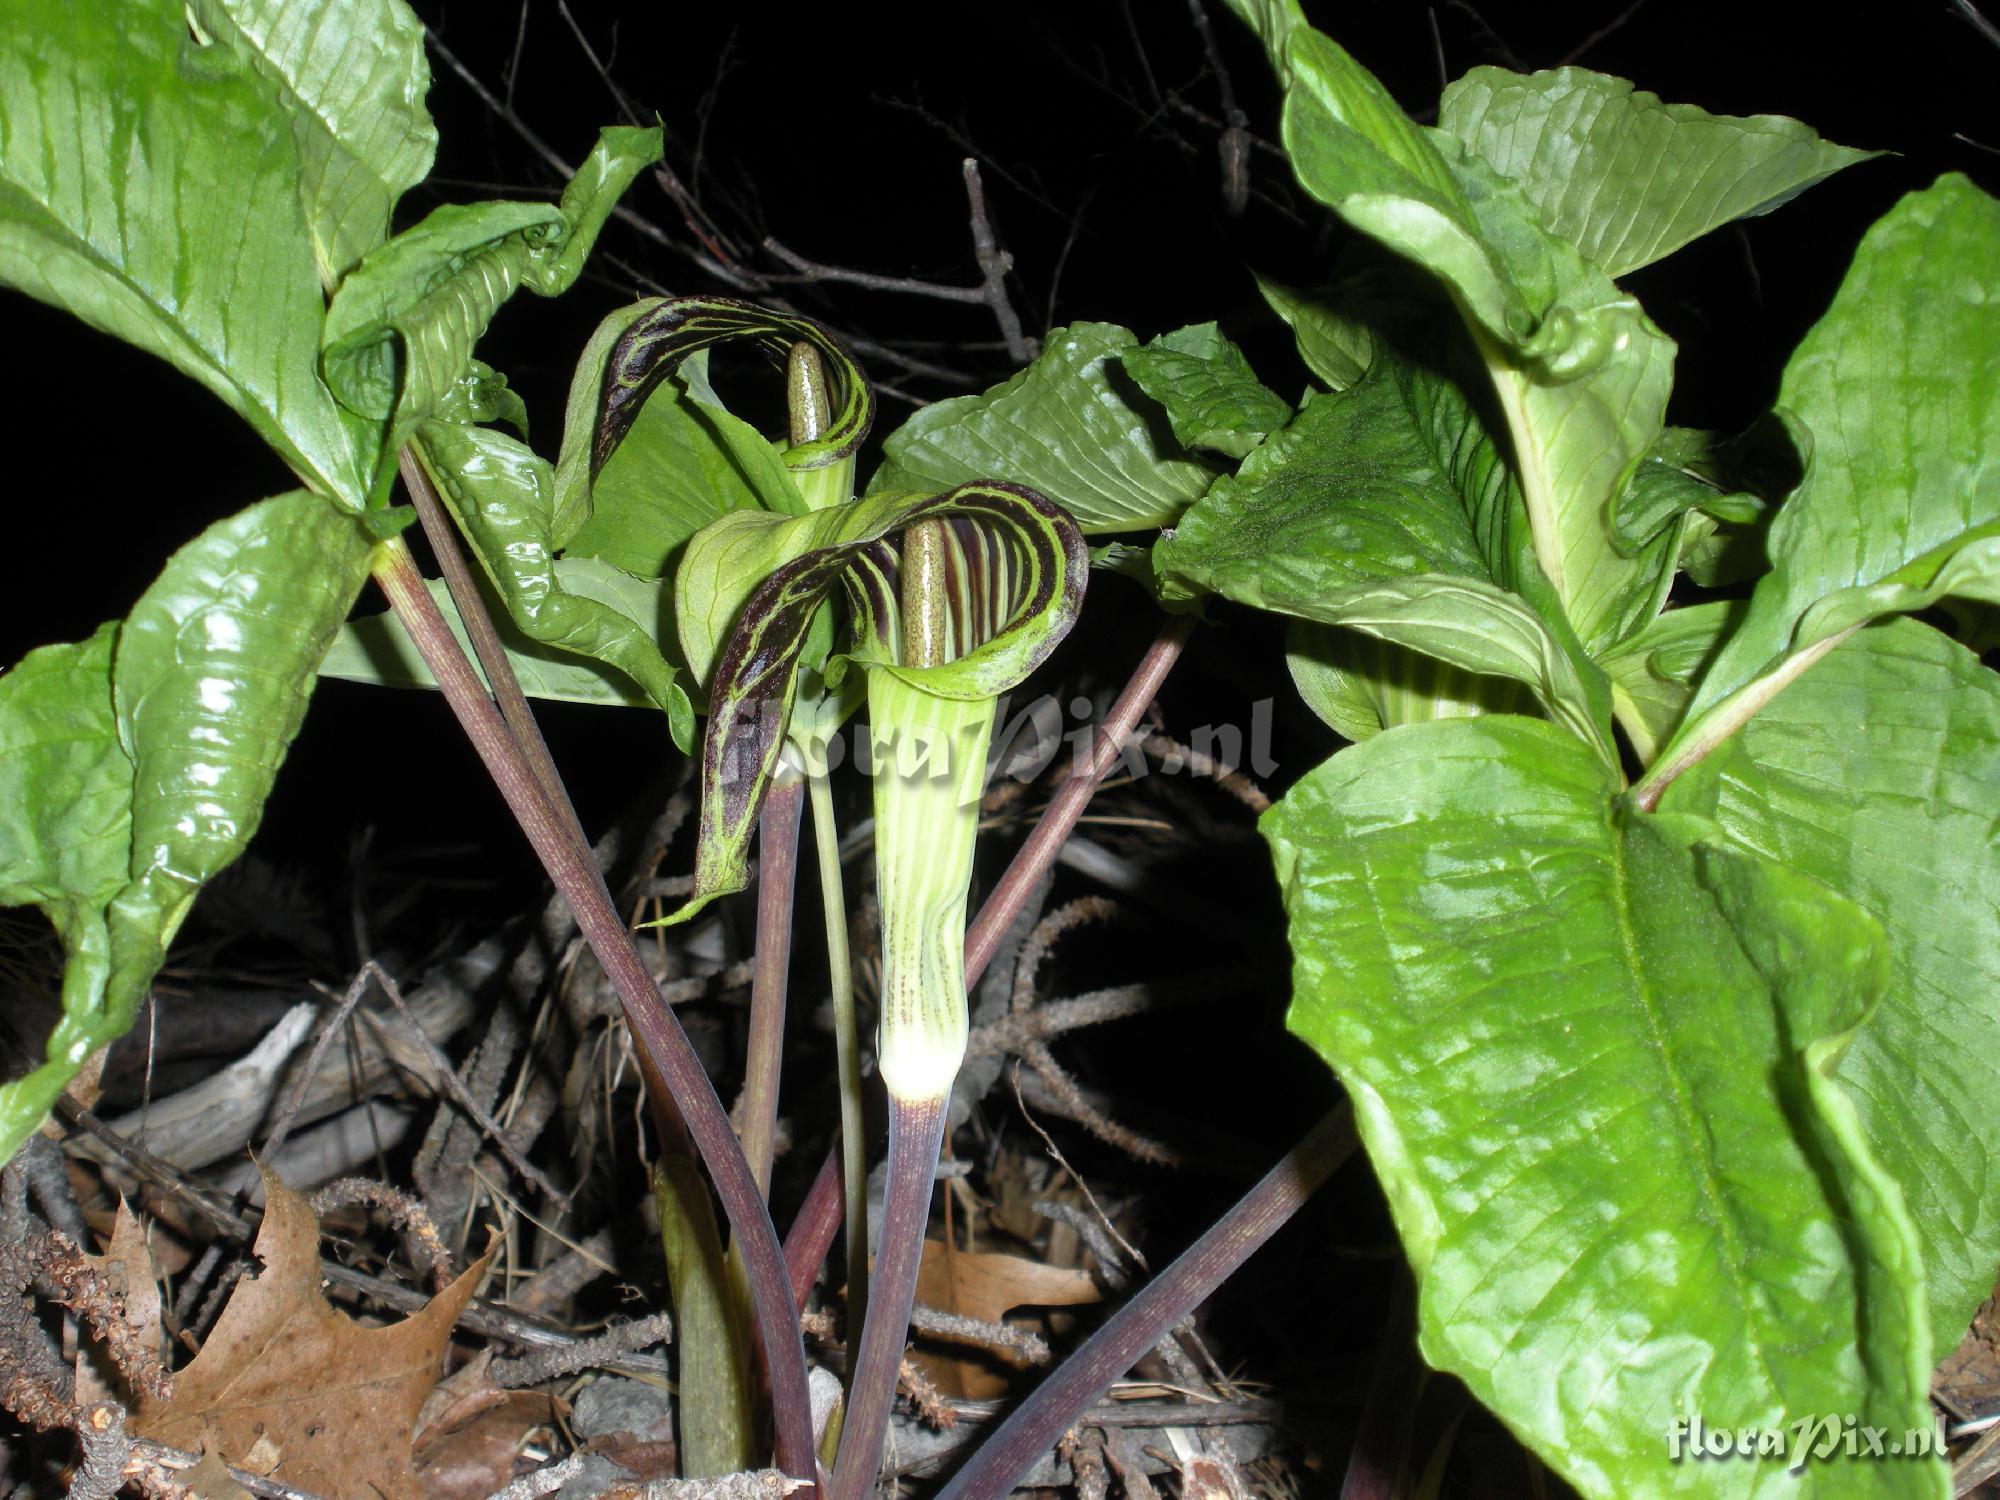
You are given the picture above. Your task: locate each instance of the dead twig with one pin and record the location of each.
(1017, 1345)
(586, 1354)
(405, 1211)
(994, 264)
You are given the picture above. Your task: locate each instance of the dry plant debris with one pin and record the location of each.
(288, 1386)
(986, 1286)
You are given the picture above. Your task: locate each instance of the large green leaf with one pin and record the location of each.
(65, 842)
(150, 184)
(1581, 373)
(1622, 176)
(402, 327)
(1072, 426)
(1336, 348)
(1386, 508)
(1582, 415)
(683, 461)
(376, 649)
(1899, 385)
(1361, 685)
(503, 497)
(1592, 1055)
(137, 764)
(214, 668)
(1212, 397)
(351, 76)
(1877, 771)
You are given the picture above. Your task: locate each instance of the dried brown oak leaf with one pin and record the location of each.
(985, 1285)
(127, 1264)
(288, 1386)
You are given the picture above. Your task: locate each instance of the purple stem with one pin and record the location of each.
(682, 1096)
(916, 1132)
(777, 872)
(1029, 1431)
(1058, 822)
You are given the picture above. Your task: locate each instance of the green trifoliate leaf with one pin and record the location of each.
(200, 691)
(351, 78)
(1622, 176)
(1021, 566)
(1072, 426)
(377, 650)
(1362, 684)
(1335, 347)
(1876, 772)
(1355, 150)
(65, 843)
(403, 325)
(1592, 1056)
(656, 343)
(1899, 385)
(1581, 373)
(503, 497)
(1582, 411)
(1212, 397)
(150, 184)
(684, 461)
(1388, 509)
(213, 671)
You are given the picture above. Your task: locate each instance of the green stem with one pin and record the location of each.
(1693, 744)
(777, 878)
(847, 1048)
(680, 1091)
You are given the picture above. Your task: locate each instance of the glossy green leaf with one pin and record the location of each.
(403, 324)
(1738, 479)
(1622, 176)
(1361, 684)
(1876, 772)
(1212, 397)
(1355, 150)
(1388, 509)
(1899, 385)
(150, 184)
(1592, 1055)
(1335, 347)
(65, 842)
(684, 461)
(1581, 415)
(351, 78)
(1021, 565)
(1072, 426)
(1581, 373)
(66, 813)
(375, 649)
(1653, 673)
(214, 667)
(503, 497)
